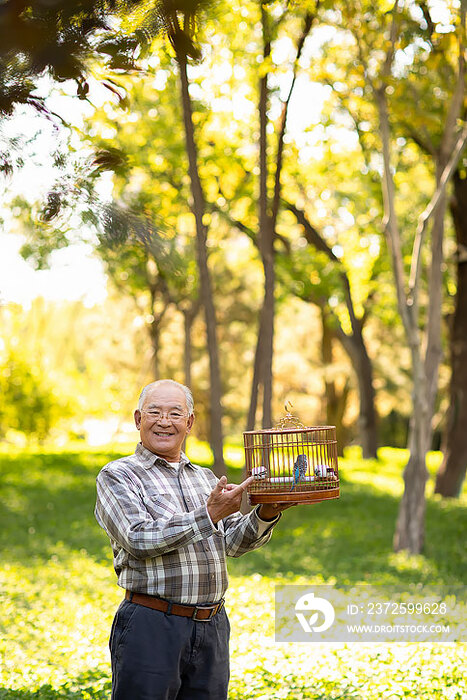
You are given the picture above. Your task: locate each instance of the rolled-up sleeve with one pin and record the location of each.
(121, 512)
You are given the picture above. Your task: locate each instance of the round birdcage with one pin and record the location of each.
(292, 464)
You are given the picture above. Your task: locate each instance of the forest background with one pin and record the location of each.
(275, 193)
(267, 201)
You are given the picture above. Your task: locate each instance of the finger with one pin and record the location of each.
(246, 483)
(220, 486)
(283, 506)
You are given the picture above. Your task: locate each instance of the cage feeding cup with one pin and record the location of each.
(292, 463)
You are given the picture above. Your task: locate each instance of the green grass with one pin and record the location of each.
(58, 592)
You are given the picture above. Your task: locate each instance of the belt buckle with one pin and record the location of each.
(213, 611)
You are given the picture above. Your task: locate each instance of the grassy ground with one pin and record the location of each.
(58, 592)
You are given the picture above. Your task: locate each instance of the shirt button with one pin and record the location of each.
(212, 576)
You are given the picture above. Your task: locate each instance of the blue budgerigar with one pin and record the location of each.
(299, 469)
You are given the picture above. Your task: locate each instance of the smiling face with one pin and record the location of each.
(163, 436)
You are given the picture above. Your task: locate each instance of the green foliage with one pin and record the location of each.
(40, 239)
(60, 38)
(59, 592)
(79, 358)
(29, 404)
(331, 170)
(350, 539)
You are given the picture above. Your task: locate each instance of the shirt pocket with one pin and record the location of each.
(160, 505)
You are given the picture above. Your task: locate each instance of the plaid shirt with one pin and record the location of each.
(164, 542)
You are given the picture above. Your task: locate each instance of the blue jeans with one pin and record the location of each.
(156, 656)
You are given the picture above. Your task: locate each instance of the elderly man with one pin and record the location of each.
(171, 524)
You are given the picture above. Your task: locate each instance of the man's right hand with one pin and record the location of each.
(225, 498)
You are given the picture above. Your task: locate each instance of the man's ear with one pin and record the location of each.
(137, 417)
(190, 422)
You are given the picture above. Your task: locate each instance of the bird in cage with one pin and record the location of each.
(321, 470)
(331, 474)
(324, 471)
(299, 469)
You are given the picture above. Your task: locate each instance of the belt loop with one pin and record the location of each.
(131, 596)
(169, 608)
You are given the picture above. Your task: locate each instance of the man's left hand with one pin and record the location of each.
(270, 511)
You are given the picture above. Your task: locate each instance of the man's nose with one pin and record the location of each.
(164, 419)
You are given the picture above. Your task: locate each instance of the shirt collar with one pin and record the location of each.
(148, 459)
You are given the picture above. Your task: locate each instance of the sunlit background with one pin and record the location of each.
(100, 294)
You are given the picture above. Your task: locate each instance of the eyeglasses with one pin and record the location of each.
(173, 416)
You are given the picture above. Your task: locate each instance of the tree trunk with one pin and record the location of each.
(434, 350)
(355, 347)
(262, 370)
(155, 334)
(199, 209)
(335, 401)
(267, 344)
(187, 323)
(452, 471)
(189, 316)
(155, 329)
(262, 374)
(256, 380)
(410, 527)
(367, 423)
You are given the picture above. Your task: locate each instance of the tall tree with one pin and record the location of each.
(280, 21)
(451, 473)
(336, 399)
(268, 207)
(443, 71)
(425, 359)
(181, 25)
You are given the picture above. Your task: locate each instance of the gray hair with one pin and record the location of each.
(188, 395)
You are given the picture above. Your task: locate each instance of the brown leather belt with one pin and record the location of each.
(202, 613)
